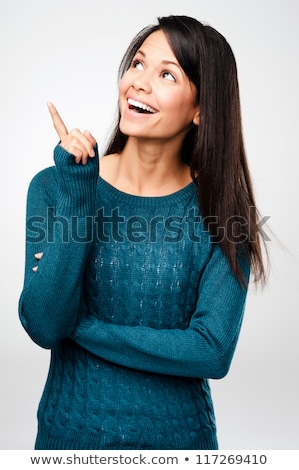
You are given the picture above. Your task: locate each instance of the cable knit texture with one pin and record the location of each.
(138, 307)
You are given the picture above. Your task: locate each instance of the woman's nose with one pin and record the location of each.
(142, 82)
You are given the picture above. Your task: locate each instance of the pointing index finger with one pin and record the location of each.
(58, 123)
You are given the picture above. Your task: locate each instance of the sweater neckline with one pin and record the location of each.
(178, 197)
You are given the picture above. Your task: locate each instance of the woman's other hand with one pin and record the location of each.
(38, 257)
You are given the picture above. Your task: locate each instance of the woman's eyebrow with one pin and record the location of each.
(164, 62)
(170, 62)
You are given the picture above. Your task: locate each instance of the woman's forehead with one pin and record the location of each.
(157, 42)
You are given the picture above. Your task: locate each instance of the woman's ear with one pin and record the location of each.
(196, 118)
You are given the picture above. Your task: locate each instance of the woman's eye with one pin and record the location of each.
(168, 76)
(136, 64)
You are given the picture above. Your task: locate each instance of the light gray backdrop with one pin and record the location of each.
(68, 51)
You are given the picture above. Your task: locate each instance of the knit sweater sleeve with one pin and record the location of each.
(203, 350)
(59, 201)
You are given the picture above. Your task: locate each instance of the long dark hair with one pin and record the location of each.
(214, 149)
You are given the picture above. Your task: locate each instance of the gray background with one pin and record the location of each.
(68, 51)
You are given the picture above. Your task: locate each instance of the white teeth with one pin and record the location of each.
(137, 104)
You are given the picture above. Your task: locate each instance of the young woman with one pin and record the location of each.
(137, 272)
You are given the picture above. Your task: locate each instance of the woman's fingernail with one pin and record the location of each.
(92, 153)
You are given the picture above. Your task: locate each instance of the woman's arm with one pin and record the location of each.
(52, 295)
(60, 204)
(204, 349)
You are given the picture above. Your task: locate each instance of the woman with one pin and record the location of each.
(137, 273)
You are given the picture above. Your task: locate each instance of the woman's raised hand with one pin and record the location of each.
(79, 144)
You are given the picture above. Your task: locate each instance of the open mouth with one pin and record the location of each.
(139, 107)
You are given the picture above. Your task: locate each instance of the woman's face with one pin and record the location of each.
(156, 98)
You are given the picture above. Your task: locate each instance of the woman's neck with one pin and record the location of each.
(144, 169)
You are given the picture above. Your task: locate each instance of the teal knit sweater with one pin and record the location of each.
(138, 306)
